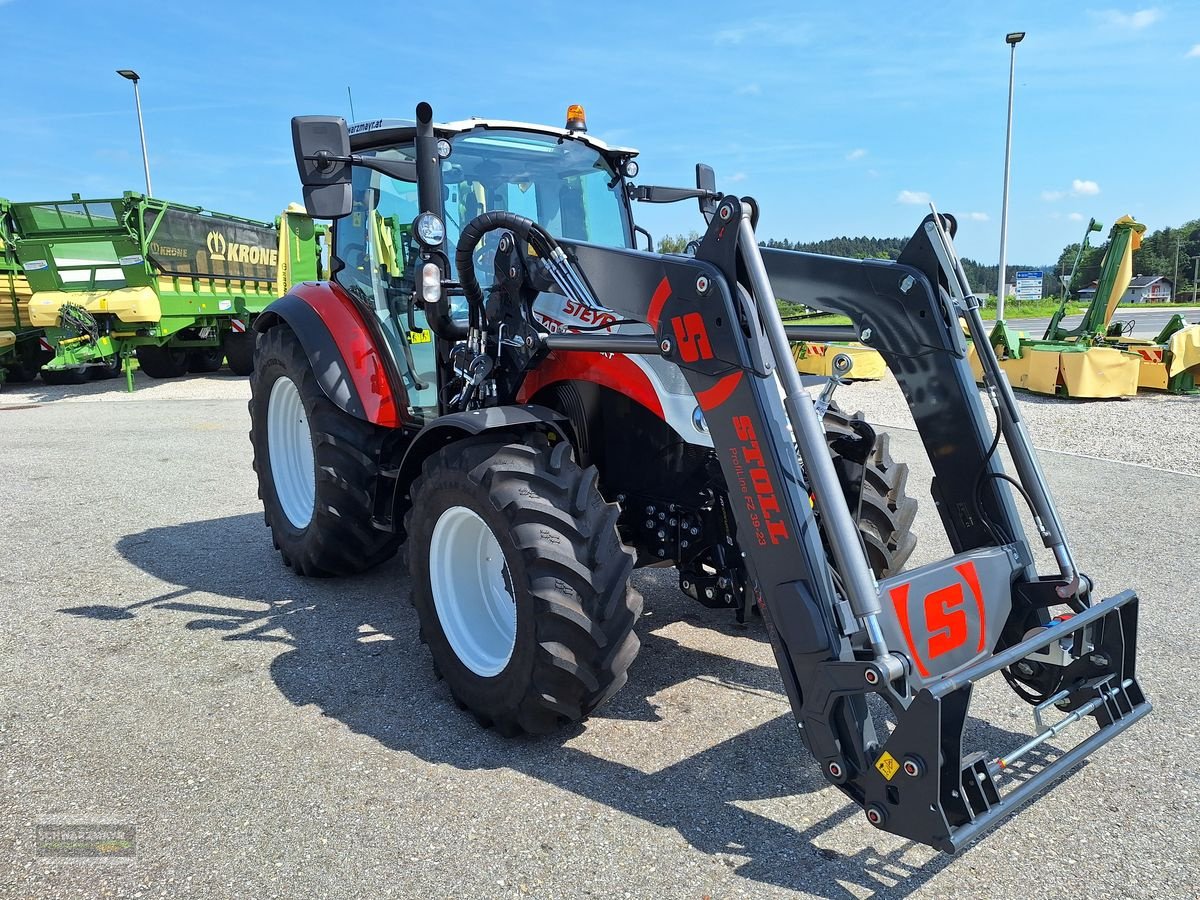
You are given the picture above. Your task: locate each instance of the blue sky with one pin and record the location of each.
(840, 118)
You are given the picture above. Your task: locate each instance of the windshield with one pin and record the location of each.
(564, 185)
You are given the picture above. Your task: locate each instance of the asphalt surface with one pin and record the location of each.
(1147, 322)
(270, 736)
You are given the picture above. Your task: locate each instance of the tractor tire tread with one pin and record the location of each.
(576, 580)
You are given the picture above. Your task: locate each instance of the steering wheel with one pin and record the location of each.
(1127, 326)
(485, 255)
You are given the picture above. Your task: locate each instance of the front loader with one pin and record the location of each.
(499, 378)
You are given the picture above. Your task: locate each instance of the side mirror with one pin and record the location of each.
(706, 180)
(322, 146)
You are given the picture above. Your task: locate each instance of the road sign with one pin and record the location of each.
(1029, 285)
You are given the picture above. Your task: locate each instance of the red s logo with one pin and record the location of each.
(692, 337)
(945, 620)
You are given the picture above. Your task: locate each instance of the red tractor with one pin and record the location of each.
(499, 378)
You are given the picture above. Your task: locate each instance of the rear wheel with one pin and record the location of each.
(317, 466)
(521, 582)
(239, 352)
(163, 362)
(886, 517)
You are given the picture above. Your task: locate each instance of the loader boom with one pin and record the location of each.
(920, 639)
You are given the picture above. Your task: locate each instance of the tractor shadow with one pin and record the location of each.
(350, 648)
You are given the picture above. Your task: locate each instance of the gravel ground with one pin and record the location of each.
(1157, 430)
(272, 736)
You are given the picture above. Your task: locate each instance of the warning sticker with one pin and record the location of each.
(887, 765)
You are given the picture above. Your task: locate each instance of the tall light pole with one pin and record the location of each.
(1195, 277)
(137, 99)
(1012, 40)
(1175, 283)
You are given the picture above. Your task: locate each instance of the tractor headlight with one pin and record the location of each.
(698, 420)
(630, 169)
(430, 230)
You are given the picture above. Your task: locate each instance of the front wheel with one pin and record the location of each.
(317, 466)
(886, 516)
(521, 583)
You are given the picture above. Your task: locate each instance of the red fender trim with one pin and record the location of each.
(356, 343)
(617, 372)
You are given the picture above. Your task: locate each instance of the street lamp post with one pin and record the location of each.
(1195, 277)
(1012, 39)
(137, 99)
(1175, 282)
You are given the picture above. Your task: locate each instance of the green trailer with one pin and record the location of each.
(23, 347)
(175, 287)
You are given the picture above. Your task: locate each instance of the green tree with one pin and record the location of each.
(676, 243)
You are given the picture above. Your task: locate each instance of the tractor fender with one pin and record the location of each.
(345, 351)
(456, 426)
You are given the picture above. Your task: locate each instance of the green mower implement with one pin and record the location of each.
(1098, 357)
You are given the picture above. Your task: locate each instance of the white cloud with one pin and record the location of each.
(787, 32)
(1051, 196)
(1194, 52)
(913, 198)
(1075, 217)
(856, 153)
(749, 90)
(873, 173)
(1082, 188)
(978, 216)
(736, 177)
(1136, 21)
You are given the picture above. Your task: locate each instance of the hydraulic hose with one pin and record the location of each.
(464, 251)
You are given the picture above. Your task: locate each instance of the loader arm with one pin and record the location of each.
(919, 640)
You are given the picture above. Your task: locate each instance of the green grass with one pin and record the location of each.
(1014, 312)
(1180, 305)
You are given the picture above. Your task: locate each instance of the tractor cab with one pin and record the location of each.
(566, 181)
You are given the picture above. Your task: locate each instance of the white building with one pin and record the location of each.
(1148, 289)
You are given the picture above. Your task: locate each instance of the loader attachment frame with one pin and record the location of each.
(920, 640)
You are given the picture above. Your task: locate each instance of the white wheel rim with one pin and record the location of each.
(472, 591)
(289, 445)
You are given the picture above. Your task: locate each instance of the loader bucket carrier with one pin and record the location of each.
(519, 514)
